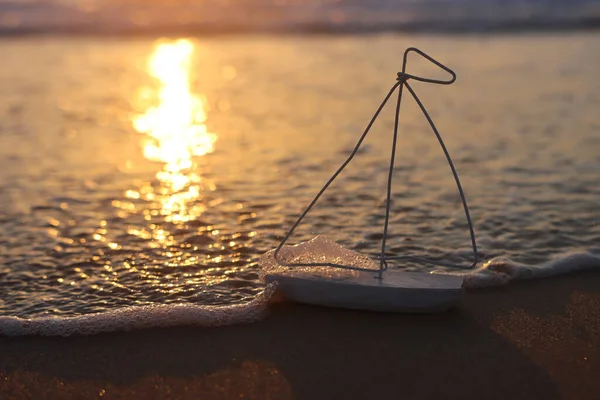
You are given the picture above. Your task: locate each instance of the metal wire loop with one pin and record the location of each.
(401, 81)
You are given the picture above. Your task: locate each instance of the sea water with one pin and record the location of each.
(142, 179)
(323, 16)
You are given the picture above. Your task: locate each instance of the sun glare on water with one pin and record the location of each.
(175, 128)
(177, 124)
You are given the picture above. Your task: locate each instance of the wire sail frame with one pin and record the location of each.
(401, 81)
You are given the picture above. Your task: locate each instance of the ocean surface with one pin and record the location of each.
(141, 179)
(323, 16)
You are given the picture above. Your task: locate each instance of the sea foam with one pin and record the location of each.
(139, 317)
(501, 271)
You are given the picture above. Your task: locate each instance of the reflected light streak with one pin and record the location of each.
(176, 132)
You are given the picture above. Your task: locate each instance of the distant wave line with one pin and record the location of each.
(318, 28)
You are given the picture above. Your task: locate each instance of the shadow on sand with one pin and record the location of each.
(495, 346)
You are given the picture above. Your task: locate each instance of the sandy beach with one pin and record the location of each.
(530, 340)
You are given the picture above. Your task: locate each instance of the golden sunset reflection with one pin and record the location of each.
(175, 132)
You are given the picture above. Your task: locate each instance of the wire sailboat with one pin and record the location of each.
(386, 290)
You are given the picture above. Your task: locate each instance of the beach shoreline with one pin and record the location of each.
(528, 340)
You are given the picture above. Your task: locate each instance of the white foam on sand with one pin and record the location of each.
(139, 317)
(501, 271)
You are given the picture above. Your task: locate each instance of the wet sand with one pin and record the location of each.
(530, 340)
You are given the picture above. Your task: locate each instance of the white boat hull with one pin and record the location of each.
(398, 291)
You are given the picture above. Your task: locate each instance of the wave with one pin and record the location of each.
(141, 317)
(123, 17)
(499, 271)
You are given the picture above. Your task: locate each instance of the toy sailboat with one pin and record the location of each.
(321, 272)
